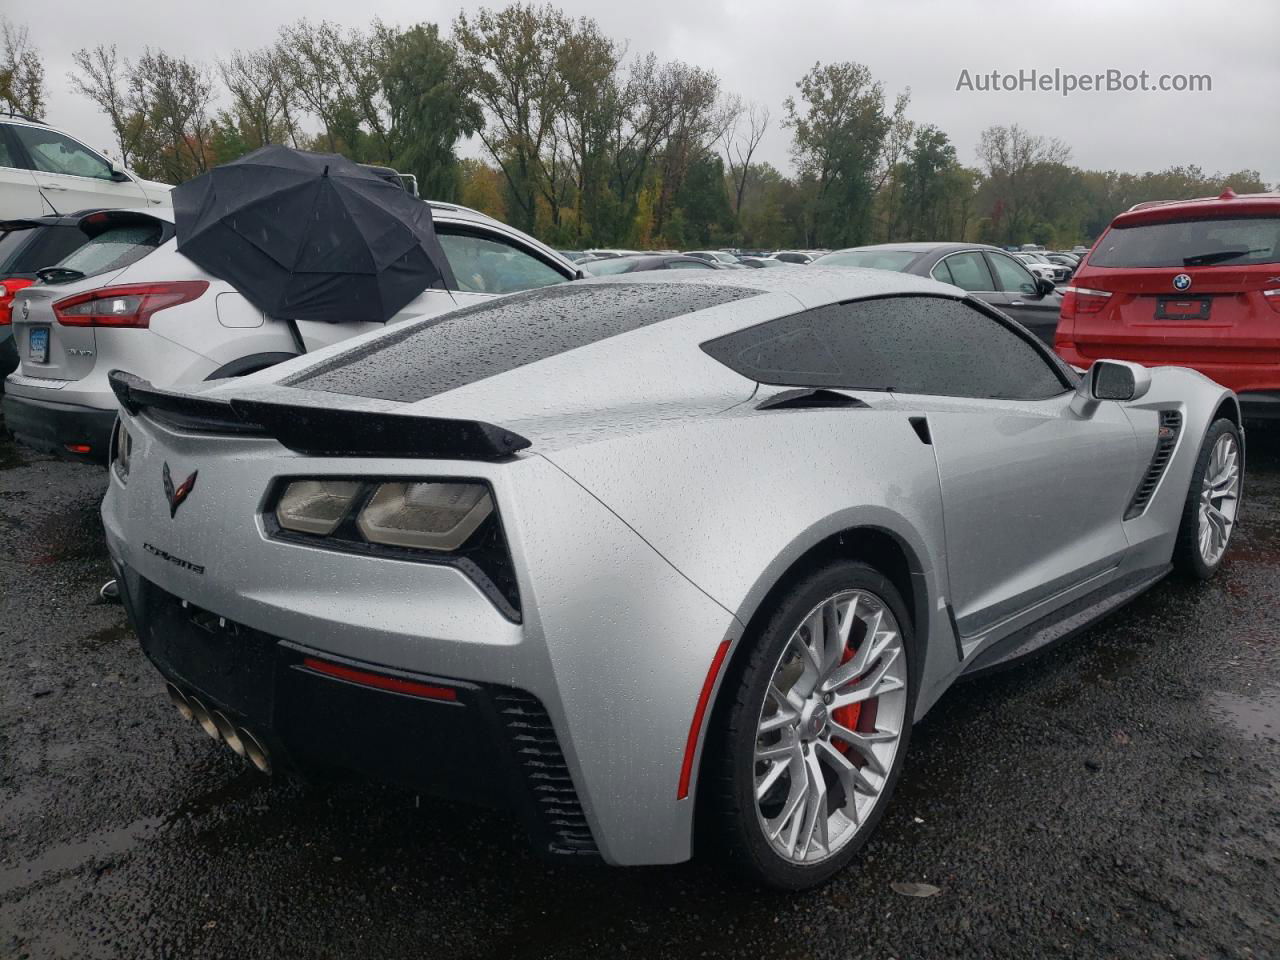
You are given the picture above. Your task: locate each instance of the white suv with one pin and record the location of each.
(128, 300)
(44, 172)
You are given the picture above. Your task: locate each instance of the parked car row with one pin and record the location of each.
(989, 273)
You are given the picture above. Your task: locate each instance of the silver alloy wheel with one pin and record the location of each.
(830, 726)
(1219, 498)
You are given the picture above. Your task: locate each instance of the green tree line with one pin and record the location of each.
(585, 143)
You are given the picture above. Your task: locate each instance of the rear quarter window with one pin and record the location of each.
(1237, 241)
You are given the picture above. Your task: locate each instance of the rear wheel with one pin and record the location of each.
(814, 740)
(1213, 503)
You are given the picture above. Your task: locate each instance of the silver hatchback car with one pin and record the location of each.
(630, 549)
(129, 300)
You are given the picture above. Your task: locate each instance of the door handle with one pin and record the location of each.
(1016, 303)
(51, 186)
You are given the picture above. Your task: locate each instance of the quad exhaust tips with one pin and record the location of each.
(219, 727)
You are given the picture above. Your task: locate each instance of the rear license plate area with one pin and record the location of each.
(1183, 308)
(233, 665)
(38, 345)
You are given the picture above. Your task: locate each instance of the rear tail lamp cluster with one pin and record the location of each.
(1082, 300)
(1273, 299)
(7, 290)
(121, 450)
(452, 522)
(126, 305)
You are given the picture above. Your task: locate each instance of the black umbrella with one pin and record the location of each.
(310, 236)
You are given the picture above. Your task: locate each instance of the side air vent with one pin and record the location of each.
(538, 753)
(1170, 427)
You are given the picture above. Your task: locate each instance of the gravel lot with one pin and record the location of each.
(1116, 797)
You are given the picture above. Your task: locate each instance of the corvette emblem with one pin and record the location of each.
(177, 496)
(1182, 282)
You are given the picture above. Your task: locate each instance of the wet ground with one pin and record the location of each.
(1117, 797)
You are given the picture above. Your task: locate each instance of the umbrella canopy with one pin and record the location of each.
(310, 236)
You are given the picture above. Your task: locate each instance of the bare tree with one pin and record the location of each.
(261, 95)
(509, 61)
(1016, 163)
(171, 95)
(312, 59)
(741, 138)
(21, 72)
(102, 80)
(364, 61)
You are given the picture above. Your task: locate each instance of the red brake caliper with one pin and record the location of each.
(848, 716)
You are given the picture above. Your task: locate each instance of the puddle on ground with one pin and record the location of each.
(68, 535)
(71, 856)
(10, 458)
(1257, 717)
(108, 636)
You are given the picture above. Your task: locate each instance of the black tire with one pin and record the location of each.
(1187, 558)
(730, 815)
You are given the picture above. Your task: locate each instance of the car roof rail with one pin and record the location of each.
(15, 115)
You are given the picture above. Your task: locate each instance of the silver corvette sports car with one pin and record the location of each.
(623, 551)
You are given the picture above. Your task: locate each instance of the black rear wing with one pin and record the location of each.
(319, 431)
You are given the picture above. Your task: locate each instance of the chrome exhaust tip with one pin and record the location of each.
(254, 751)
(228, 732)
(204, 718)
(179, 700)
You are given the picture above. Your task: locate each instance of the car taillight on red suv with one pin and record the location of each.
(1078, 300)
(126, 305)
(7, 289)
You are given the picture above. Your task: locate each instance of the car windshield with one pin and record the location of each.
(878, 259)
(604, 268)
(1191, 243)
(114, 249)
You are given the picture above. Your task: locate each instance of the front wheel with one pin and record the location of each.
(814, 740)
(1213, 502)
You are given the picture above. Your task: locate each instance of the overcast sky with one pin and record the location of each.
(761, 47)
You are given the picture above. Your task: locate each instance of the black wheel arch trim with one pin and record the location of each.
(250, 364)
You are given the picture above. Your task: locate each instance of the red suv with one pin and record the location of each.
(1193, 283)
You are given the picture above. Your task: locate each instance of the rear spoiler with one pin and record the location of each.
(320, 431)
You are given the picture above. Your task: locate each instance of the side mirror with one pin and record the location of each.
(1044, 286)
(118, 173)
(1116, 380)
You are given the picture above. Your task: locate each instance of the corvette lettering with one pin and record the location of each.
(176, 561)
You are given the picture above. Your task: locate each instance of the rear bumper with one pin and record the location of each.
(53, 427)
(483, 744)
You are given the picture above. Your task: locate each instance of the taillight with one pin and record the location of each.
(126, 305)
(1273, 298)
(1078, 300)
(7, 290)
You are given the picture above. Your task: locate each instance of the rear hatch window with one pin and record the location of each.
(1236, 242)
(23, 251)
(114, 249)
(464, 346)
